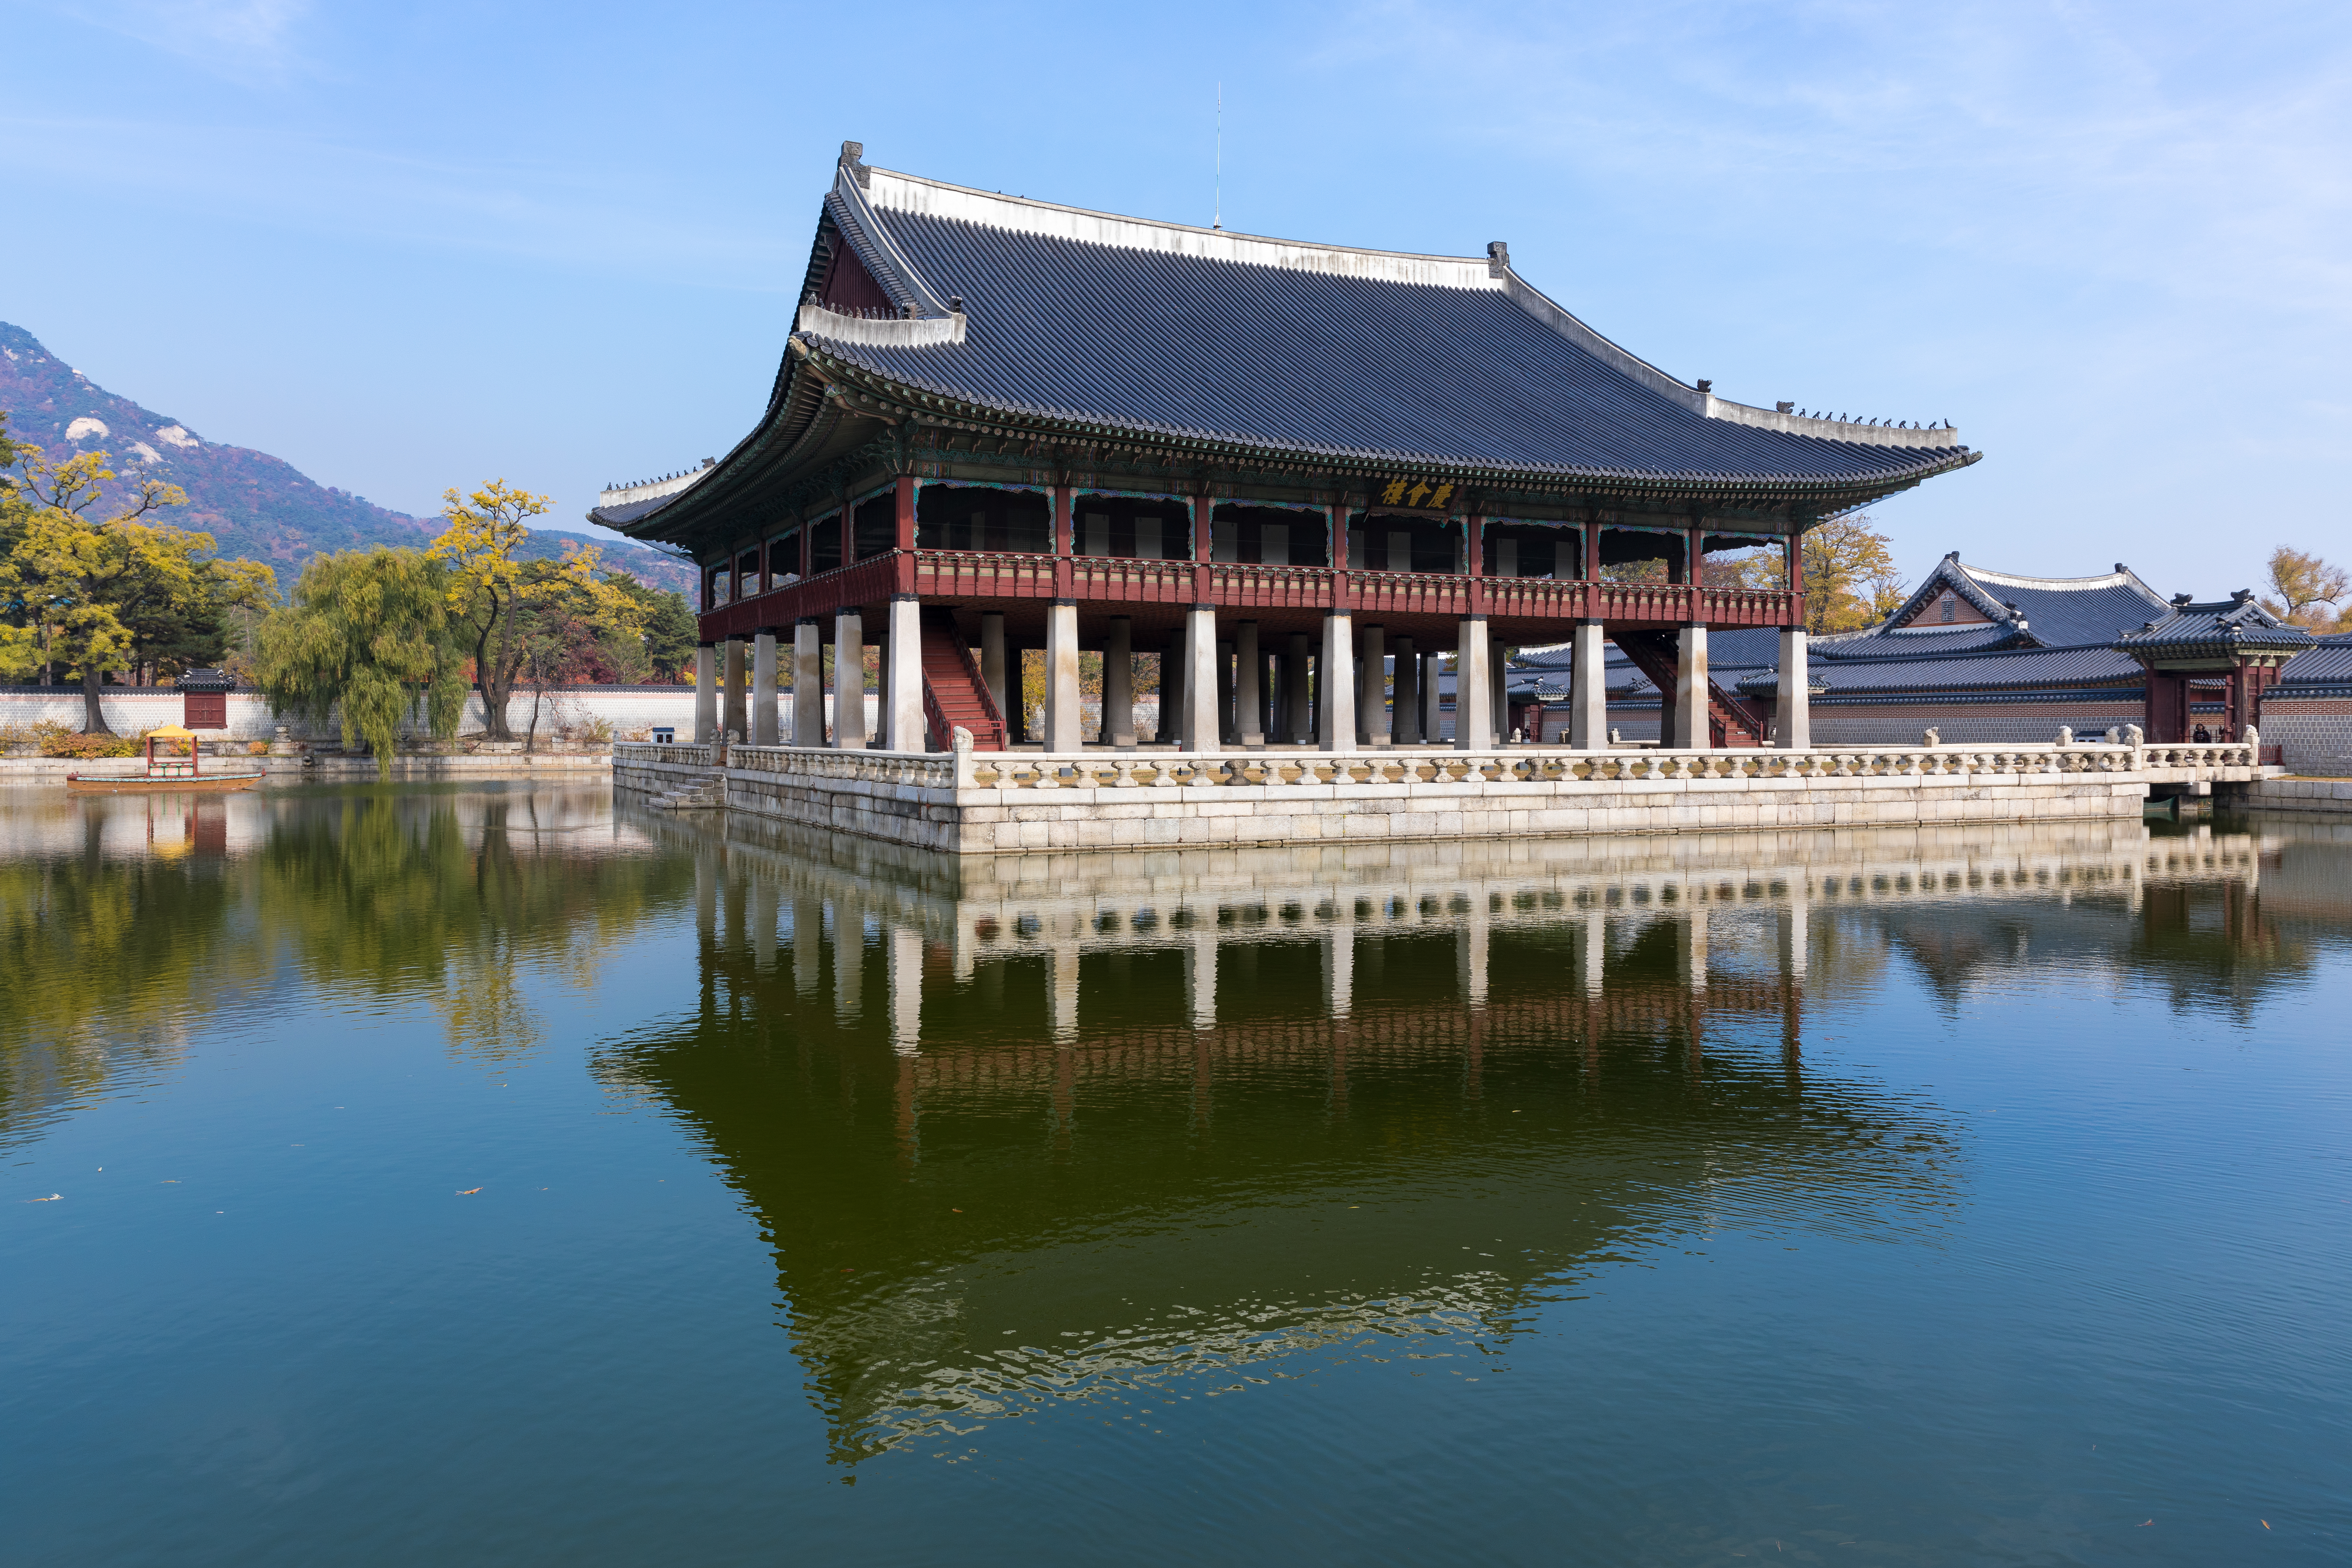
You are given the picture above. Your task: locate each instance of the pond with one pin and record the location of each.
(497, 1174)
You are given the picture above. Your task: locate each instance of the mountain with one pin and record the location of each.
(254, 506)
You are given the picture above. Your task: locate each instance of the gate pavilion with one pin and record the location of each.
(1004, 425)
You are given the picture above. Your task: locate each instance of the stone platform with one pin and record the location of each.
(994, 802)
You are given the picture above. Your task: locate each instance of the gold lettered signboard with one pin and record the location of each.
(1429, 495)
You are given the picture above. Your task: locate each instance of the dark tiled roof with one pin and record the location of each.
(1111, 324)
(2328, 661)
(2214, 630)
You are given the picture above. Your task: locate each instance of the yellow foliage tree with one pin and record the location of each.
(494, 594)
(87, 583)
(2306, 590)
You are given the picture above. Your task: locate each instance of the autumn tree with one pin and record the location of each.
(1851, 580)
(87, 583)
(2305, 590)
(491, 592)
(369, 640)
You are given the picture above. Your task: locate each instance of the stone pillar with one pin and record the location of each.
(1432, 700)
(848, 960)
(904, 698)
(738, 711)
(1470, 954)
(1118, 684)
(1061, 677)
(1690, 691)
(1171, 691)
(808, 936)
(1793, 710)
(1408, 695)
(1297, 713)
(1335, 687)
(1201, 976)
(1199, 730)
(1339, 968)
(1062, 991)
(1690, 950)
(763, 688)
(706, 694)
(992, 666)
(1473, 688)
(1372, 695)
(1587, 693)
(848, 681)
(1249, 702)
(808, 683)
(905, 984)
(761, 898)
(1498, 704)
(882, 740)
(1227, 726)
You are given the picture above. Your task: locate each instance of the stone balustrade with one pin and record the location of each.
(683, 754)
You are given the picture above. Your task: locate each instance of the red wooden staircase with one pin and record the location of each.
(1731, 722)
(953, 693)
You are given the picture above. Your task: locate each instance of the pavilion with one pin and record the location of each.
(1002, 425)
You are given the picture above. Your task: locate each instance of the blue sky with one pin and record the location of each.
(411, 246)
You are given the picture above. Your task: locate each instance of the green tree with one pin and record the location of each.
(671, 631)
(368, 637)
(491, 590)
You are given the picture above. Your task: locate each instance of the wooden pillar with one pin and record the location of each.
(903, 574)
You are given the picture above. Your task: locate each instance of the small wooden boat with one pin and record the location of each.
(175, 771)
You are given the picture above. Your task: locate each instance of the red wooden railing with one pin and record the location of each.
(973, 575)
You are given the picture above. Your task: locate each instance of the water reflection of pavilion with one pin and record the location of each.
(1137, 1128)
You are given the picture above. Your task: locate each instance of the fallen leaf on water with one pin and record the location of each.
(2266, 1524)
(53, 1197)
(469, 1192)
(2143, 1524)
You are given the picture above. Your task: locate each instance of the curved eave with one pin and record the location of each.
(941, 403)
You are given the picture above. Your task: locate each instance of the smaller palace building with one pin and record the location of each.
(1298, 474)
(1982, 656)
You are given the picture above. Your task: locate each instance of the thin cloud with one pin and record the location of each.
(244, 40)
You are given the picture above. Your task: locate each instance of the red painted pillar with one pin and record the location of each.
(903, 576)
(1591, 564)
(1204, 512)
(1695, 569)
(808, 545)
(1474, 557)
(1339, 598)
(1064, 586)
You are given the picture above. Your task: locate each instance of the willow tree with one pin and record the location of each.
(369, 639)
